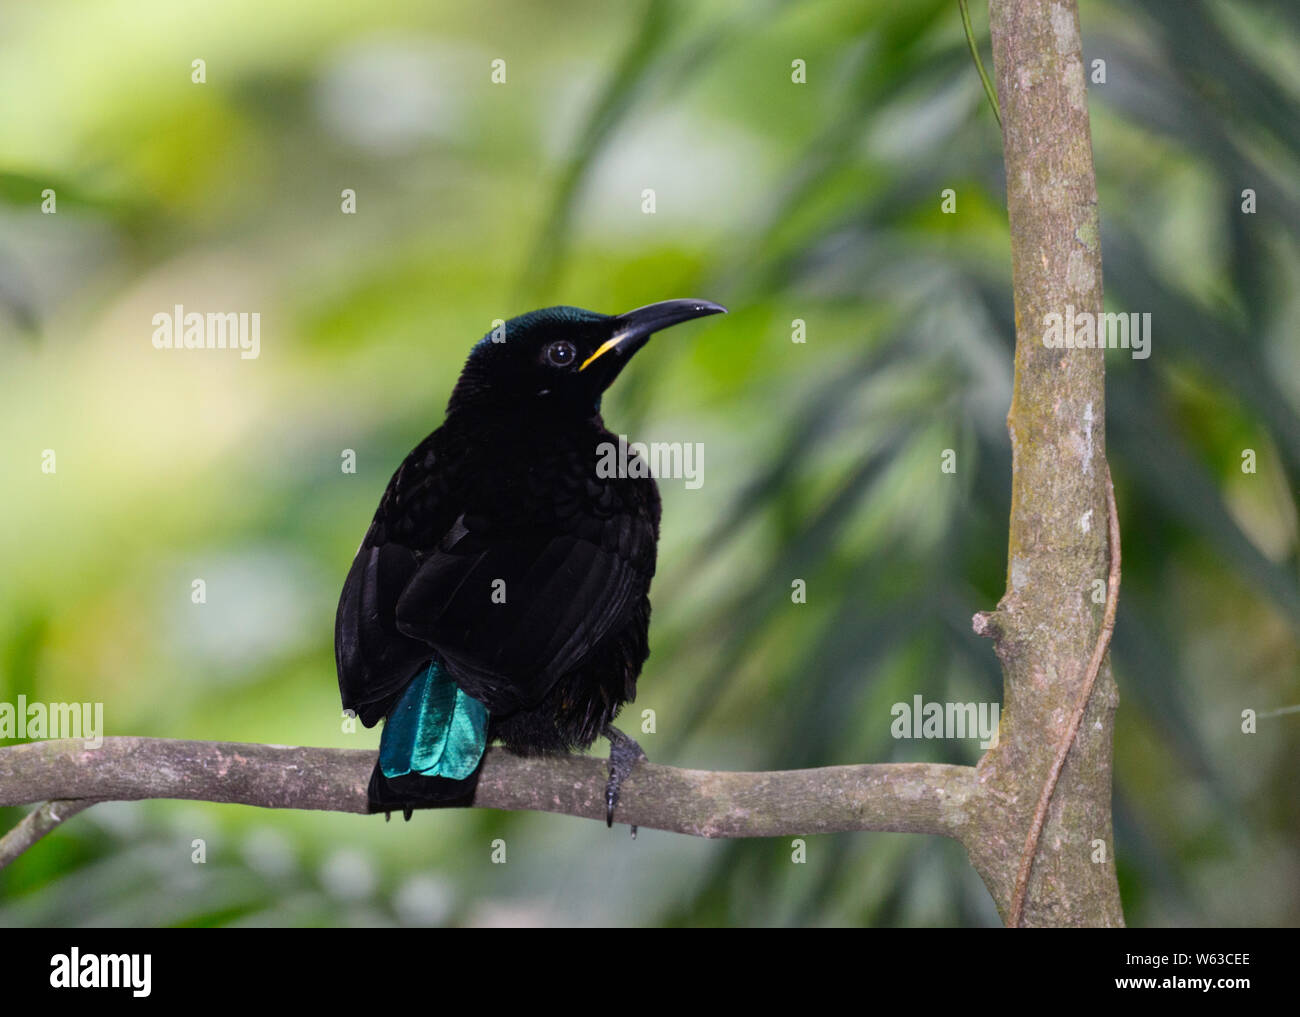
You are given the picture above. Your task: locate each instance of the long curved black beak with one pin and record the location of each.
(633, 330)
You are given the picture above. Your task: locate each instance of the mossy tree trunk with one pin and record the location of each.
(1046, 624)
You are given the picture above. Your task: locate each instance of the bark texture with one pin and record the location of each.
(903, 797)
(1047, 622)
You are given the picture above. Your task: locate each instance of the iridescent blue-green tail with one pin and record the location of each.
(431, 747)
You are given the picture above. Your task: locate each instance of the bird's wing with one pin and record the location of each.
(375, 661)
(511, 613)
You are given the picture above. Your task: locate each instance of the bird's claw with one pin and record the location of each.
(624, 754)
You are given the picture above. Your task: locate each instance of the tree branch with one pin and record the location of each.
(900, 797)
(1046, 625)
(36, 824)
(1067, 740)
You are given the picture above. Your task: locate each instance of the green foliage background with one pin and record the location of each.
(478, 201)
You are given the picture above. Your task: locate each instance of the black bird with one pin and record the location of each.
(501, 590)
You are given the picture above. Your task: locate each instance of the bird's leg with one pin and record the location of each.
(624, 754)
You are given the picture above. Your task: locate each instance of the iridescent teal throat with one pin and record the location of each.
(436, 730)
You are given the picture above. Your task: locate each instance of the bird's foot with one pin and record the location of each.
(624, 754)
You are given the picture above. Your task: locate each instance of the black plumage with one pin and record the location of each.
(498, 552)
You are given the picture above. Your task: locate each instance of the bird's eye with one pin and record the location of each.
(561, 354)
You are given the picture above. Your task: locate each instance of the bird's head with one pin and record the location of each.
(563, 357)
